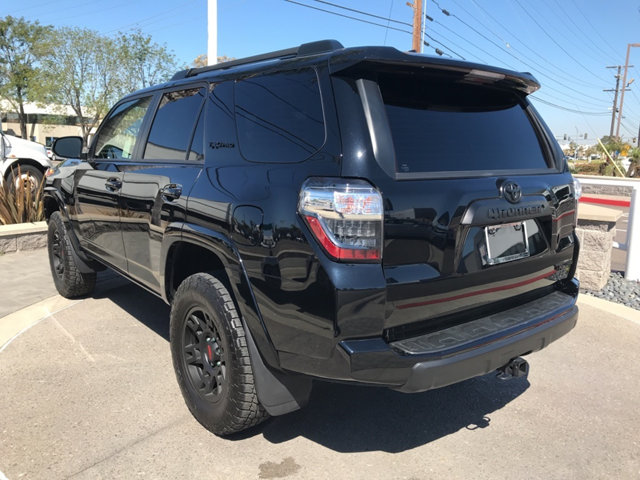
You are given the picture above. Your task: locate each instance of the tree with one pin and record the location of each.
(22, 45)
(201, 60)
(82, 71)
(143, 62)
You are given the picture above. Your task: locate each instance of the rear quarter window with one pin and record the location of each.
(442, 126)
(279, 116)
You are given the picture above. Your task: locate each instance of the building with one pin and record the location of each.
(44, 123)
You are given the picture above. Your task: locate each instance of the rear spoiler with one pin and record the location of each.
(361, 62)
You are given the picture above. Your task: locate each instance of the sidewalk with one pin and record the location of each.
(25, 278)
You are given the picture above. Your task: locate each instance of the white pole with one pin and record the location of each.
(632, 272)
(212, 29)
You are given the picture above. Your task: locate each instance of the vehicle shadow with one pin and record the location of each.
(348, 418)
(145, 307)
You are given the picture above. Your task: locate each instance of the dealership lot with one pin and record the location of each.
(89, 392)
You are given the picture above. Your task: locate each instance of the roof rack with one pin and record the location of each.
(312, 48)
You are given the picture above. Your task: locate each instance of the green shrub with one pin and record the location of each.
(592, 168)
(19, 203)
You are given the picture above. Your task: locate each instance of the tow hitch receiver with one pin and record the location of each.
(518, 367)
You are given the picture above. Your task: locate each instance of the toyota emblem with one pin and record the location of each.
(511, 191)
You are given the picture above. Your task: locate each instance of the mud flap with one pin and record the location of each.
(278, 393)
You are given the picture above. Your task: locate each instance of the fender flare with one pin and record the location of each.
(278, 392)
(83, 263)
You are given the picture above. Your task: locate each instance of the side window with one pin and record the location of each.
(196, 152)
(118, 134)
(279, 116)
(173, 125)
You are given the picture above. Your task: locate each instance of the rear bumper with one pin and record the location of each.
(472, 349)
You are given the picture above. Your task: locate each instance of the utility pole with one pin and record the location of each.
(416, 44)
(615, 100)
(212, 31)
(624, 85)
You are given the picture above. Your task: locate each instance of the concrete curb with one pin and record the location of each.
(23, 236)
(610, 307)
(16, 323)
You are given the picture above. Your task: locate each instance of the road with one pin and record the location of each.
(89, 392)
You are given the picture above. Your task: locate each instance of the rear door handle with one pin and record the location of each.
(171, 192)
(113, 184)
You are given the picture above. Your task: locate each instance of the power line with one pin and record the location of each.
(552, 68)
(479, 48)
(551, 104)
(145, 20)
(447, 13)
(348, 16)
(360, 19)
(364, 13)
(387, 29)
(594, 29)
(588, 37)
(555, 42)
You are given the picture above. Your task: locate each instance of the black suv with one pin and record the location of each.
(350, 214)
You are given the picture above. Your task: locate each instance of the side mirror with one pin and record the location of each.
(68, 147)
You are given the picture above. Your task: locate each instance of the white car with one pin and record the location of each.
(30, 158)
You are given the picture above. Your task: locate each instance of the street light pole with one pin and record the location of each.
(624, 85)
(212, 31)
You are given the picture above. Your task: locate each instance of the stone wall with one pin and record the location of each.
(606, 190)
(23, 236)
(596, 243)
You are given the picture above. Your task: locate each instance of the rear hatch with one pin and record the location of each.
(479, 208)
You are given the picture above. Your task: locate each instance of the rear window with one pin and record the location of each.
(440, 126)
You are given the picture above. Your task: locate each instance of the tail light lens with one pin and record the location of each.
(345, 217)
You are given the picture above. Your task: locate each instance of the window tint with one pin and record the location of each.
(118, 134)
(173, 125)
(442, 126)
(279, 117)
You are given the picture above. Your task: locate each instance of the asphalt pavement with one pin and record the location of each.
(88, 391)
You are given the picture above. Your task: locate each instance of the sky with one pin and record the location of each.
(566, 44)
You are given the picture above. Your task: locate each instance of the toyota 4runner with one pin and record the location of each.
(358, 215)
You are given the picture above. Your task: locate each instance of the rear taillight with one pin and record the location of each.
(345, 217)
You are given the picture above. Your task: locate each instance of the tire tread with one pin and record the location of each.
(246, 410)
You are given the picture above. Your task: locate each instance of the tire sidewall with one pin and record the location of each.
(56, 225)
(211, 414)
(34, 172)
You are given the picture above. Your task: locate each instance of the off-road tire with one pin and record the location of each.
(202, 307)
(69, 281)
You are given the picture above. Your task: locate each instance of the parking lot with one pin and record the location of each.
(88, 392)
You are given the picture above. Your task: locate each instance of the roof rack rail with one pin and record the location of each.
(311, 48)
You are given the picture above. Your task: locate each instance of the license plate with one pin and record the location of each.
(505, 243)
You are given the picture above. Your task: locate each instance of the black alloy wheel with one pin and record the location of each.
(57, 254)
(204, 355)
(211, 358)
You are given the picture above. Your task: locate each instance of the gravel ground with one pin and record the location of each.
(620, 291)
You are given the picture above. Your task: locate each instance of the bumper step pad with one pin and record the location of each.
(486, 329)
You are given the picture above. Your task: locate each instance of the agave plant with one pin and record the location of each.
(19, 203)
